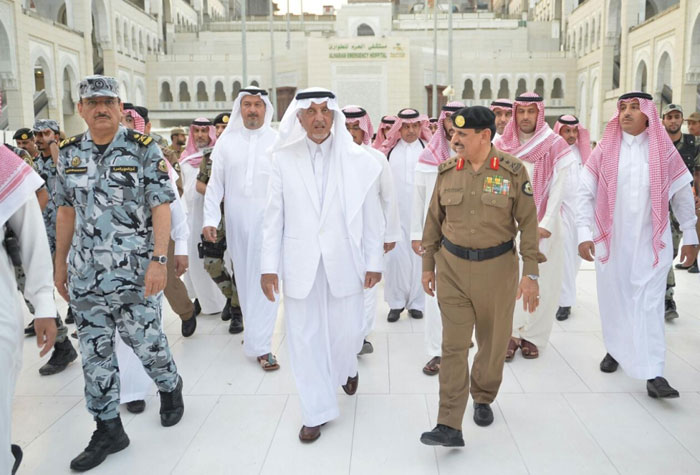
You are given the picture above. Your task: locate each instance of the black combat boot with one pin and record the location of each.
(226, 313)
(109, 438)
(171, 405)
(63, 355)
(236, 325)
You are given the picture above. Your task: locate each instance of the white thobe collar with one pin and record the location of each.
(324, 146)
(524, 138)
(319, 154)
(631, 140)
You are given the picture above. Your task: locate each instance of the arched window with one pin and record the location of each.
(504, 90)
(202, 95)
(663, 82)
(365, 30)
(640, 79)
(485, 92)
(522, 87)
(254, 83)
(539, 87)
(219, 94)
(557, 90)
(468, 92)
(118, 34)
(184, 94)
(236, 89)
(165, 94)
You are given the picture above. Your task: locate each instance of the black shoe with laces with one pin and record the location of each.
(659, 388)
(136, 407)
(670, 312)
(108, 438)
(63, 355)
(236, 325)
(226, 312)
(443, 435)
(483, 415)
(189, 326)
(172, 406)
(563, 313)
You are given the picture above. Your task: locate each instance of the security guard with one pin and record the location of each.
(214, 252)
(24, 138)
(482, 198)
(113, 194)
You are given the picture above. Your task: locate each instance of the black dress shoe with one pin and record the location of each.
(350, 387)
(109, 438)
(17, 454)
(172, 407)
(682, 267)
(443, 435)
(670, 312)
(417, 314)
(226, 312)
(659, 388)
(189, 326)
(694, 268)
(197, 308)
(563, 313)
(29, 329)
(69, 316)
(236, 325)
(609, 364)
(394, 314)
(136, 407)
(483, 415)
(367, 348)
(63, 355)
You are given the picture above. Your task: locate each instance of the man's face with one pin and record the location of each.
(200, 133)
(102, 114)
(632, 119)
(385, 128)
(526, 118)
(43, 137)
(128, 121)
(569, 133)
(219, 129)
(502, 118)
(178, 140)
(433, 127)
(449, 127)
(317, 120)
(694, 127)
(467, 142)
(672, 122)
(252, 111)
(29, 145)
(358, 135)
(410, 131)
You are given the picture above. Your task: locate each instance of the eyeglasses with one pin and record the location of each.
(92, 103)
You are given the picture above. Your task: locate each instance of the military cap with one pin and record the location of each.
(222, 118)
(177, 131)
(475, 117)
(43, 124)
(671, 108)
(23, 134)
(695, 116)
(98, 86)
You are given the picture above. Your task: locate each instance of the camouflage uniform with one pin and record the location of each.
(215, 265)
(112, 194)
(47, 171)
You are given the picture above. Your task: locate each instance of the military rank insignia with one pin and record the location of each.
(75, 161)
(527, 188)
(225, 119)
(459, 121)
(496, 185)
(24, 137)
(460, 163)
(494, 163)
(162, 166)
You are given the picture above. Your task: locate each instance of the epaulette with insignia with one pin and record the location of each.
(447, 164)
(510, 163)
(142, 139)
(70, 141)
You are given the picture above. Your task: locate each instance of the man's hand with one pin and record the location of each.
(181, 265)
(372, 279)
(587, 250)
(529, 290)
(45, 329)
(388, 246)
(60, 279)
(428, 280)
(417, 248)
(542, 233)
(688, 254)
(270, 286)
(156, 278)
(209, 233)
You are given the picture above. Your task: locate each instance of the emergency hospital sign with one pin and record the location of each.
(365, 50)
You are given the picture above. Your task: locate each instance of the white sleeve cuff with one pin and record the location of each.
(584, 234)
(180, 248)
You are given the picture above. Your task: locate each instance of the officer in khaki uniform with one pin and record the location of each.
(482, 198)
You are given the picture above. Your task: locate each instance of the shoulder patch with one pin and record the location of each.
(176, 167)
(447, 164)
(527, 188)
(162, 166)
(142, 139)
(70, 141)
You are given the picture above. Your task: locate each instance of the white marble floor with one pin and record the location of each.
(555, 415)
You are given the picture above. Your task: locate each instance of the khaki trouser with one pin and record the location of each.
(175, 290)
(473, 296)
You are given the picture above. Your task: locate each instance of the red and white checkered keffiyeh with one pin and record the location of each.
(665, 166)
(438, 150)
(365, 122)
(584, 137)
(394, 134)
(191, 155)
(139, 122)
(17, 182)
(387, 120)
(550, 152)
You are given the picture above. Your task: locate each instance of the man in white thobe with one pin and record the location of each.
(199, 283)
(623, 223)
(579, 140)
(503, 109)
(323, 228)
(360, 127)
(404, 143)
(437, 151)
(548, 159)
(20, 214)
(241, 169)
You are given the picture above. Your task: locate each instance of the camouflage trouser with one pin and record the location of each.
(217, 270)
(138, 320)
(21, 279)
(676, 235)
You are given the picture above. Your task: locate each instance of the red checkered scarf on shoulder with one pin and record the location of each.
(438, 150)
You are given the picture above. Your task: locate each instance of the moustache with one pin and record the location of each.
(102, 116)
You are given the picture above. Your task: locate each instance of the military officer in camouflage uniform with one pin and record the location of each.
(113, 194)
(214, 252)
(672, 118)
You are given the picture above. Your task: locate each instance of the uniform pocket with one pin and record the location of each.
(451, 198)
(491, 199)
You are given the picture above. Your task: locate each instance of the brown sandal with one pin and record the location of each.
(529, 350)
(268, 362)
(432, 367)
(513, 346)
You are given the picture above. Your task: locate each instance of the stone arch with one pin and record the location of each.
(254, 83)
(614, 34)
(101, 23)
(522, 87)
(582, 104)
(485, 92)
(557, 89)
(664, 85)
(118, 33)
(503, 89)
(236, 89)
(69, 83)
(593, 42)
(7, 63)
(364, 30)
(139, 94)
(134, 41)
(126, 40)
(166, 94)
(640, 77)
(468, 91)
(539, 87)
(695, 45)
(219, 93)
(183, 94)
(45, 79)
(202, 95)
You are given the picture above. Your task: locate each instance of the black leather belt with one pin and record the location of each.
(477, 254)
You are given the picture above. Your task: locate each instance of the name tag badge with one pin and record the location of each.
(76, 170)
(124, 169)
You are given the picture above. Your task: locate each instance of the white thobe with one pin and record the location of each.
(426, 176)
(402, 286)
(390, 207)
(630, 289)
(28, 224)
(240, 177)
(537, 326)
(197, 280)
(572, 261)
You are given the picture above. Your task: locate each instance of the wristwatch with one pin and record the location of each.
(160, 259)
(533, 277)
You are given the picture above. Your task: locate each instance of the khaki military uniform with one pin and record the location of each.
(477, 210)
